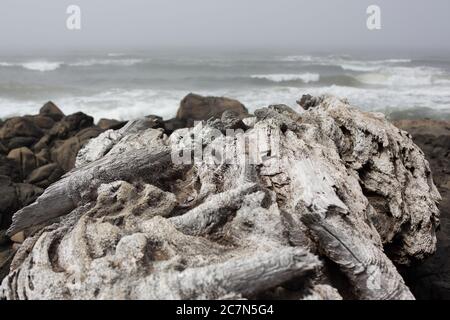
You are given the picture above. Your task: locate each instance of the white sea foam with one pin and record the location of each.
(130, 104)
(345, 62)
(113, 62)
(305, 77)
(115, 54)
(34, 65)
(402, 76)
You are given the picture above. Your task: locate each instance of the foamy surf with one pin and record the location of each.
(131, 86)
(34, 65)
(105, 62)
(305, 77)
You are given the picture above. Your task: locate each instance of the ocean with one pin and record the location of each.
(130, 85)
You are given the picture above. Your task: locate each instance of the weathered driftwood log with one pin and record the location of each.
(249, 216)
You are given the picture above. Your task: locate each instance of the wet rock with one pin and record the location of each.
(154, 122)
(307, 101)
(19, 127)
(70, 125)
(3, 149)
(19, 237)
(196, 108)
(107, 124)
(65, 152)
(25, 160)
(174, 124)
(8, 168)
(43, 122)
(4, 239)
(8, 201)
(27, 193)
(18, 142)
(87, 134)
(51, 110)
(45, 175)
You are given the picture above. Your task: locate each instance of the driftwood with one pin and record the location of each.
(332, 182)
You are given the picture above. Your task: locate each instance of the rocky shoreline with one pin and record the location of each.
(171, 206)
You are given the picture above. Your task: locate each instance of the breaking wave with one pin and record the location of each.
(305, 77)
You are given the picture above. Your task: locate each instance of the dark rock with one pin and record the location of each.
(45, 175)
(43, 143)
(43, 122)
(3, 149)
(70, 125)
(19, 142)
(8, 201)
(44, 154)
(20, 127)
(65, 152)
(196, 108)
(4, 239)
(174, 124)
(154, 122)
(87, 134)
(27, 193)
(231, 120)
(431, 279)
(51, 110)
(307, 101)
(8, 168)
(25, 160)
(6, 257)
(107, 124)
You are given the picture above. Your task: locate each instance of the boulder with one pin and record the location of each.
(3, 149)
(88, 133)
(307, 101)
(65, 153)
(8, 201)
(153, 121)
(27, 193)
(174, 124)
(70, 125)
(45, 175)
(107, 124)
(51, 110)
(42, 121)
(8, 168)
(44, 143)
(25, 160)
(19, 237)
(20, 127)
(19, 142)
(44, 153)
(196, 108)
(4, 239)
(6, 257)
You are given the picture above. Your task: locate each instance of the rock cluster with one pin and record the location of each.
(335, 201)
(35, 151)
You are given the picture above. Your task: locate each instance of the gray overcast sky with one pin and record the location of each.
(314, 24)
